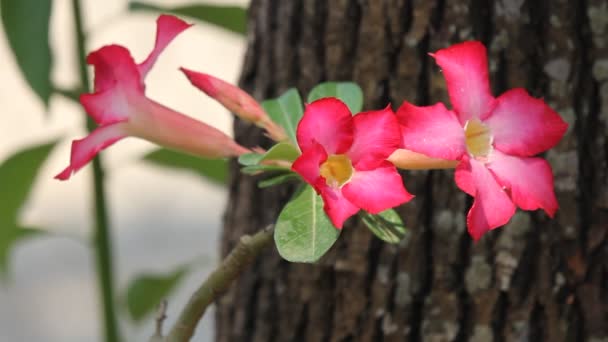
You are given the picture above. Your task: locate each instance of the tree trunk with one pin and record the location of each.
(535, 279)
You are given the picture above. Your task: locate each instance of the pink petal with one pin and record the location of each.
(523, 125)
(85, 149)
(336, 206)
(463, 177)
(106, 107)
(329, 122)
(114, 67)
(492, 207)
(167, 28)
(307, 165)
(529, 179)
(376, 190)
(376, 137)
(465, 68)
(431, 130)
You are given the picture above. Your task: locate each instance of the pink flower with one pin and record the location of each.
(494, 139)
(344, 158)
(235, 100)
(119, 105)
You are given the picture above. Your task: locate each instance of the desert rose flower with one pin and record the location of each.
(344, 158)
(120, 107)
(236, 100)
(492, 139)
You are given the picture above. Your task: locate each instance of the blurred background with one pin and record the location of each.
(162, 220)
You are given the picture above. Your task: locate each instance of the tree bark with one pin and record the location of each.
(535, 279)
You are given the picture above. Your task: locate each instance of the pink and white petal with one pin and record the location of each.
(307, 165)
(463, 176)
(465, 68)
(85, 149)
(492, 207)
(327, 121)
(431, 130)
(529, 179)
(376, 190)
(167, 28)
(336, 206)
(114, 67)
(376, 136)
(523, 125)
(107, 106)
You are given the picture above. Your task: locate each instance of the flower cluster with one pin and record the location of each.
(350, 160)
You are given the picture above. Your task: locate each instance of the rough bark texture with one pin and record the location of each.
(533, 280)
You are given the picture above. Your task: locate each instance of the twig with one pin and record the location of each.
(218, 282)
(160, 318)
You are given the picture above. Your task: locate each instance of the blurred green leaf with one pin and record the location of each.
(386, 225)
(10, 235)
(281, 151)
(17, 175)
(215, 170)
(286, 110)
(26, 23)
(303, 233)
(349, 92)
(276, 180)
(249, 159)
(145, 293)
(254, 169)
(233, 18)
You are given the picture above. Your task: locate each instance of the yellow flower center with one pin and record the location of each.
(336, 170)
(478, 138)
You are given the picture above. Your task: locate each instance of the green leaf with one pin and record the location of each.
(248, 159)
(10, 236)
(233, 18)
(146, 292)
(303, 233)
(281, 151)
(276, 180)
(349, 92)
(26, 23)
(215, 170)
(286, 110)
(254, 169)
(17, 175)
(386, 225)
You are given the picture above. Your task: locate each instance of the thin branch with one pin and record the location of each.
(102, 240)
(160, 318)
(218, 282)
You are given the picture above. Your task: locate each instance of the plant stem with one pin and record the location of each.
(102, 241)
(217, 283)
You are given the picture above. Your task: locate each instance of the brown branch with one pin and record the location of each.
(218, 282)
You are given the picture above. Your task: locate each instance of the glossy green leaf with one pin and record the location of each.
(303, 233)
(386, 225)
(255, 169)
(147, 291)
(281, 151)
(349, 92)
(215, 170)
(26, 24)
(17, 175)
(233, 18)
(286, 110)
(248, 159)
(276, 180)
